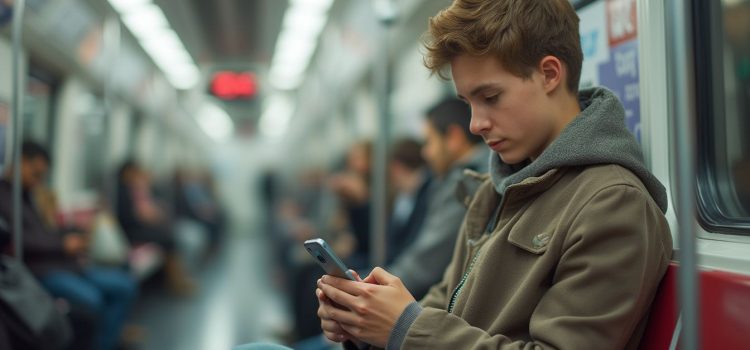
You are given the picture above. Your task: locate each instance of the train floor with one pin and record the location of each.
(235, 302)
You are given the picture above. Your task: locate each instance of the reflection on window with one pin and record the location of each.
(92, 130)
(37, 110)
(724, 113)
(737, 87)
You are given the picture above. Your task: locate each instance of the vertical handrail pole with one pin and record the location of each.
(379, 217)
(17, 111)
(682, 89)
(112, 39)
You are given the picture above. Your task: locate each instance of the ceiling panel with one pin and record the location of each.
(219, 32)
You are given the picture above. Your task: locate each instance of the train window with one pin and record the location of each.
(722, 60)
(39, 105)
(93, 126)
(38, 116)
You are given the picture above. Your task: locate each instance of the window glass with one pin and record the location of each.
(37, 110)
(93, 127)
(723, 88)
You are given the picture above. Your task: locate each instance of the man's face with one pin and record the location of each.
(512, 114)
(33, 171)
(435, 151)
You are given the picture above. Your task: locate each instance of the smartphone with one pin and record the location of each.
(327, 259)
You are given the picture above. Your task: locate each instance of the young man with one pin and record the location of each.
(565, 243)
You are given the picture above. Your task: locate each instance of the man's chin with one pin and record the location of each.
(510, 158)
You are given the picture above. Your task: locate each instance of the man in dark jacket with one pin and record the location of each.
(56, 259)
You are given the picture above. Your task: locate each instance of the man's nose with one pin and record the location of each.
(479, 124)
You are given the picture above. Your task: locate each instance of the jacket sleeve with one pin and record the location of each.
(610, 265)
(43, 244)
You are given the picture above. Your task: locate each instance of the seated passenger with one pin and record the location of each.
(410, 183)
(352, 186)
(450, 148)
(194, 200)
(565, 243)
(145, 222)
(420, 250)
(57, 260)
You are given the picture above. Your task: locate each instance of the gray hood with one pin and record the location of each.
(597, 136)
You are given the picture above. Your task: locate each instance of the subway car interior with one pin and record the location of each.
(167, 166)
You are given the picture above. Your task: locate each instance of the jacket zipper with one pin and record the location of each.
(460, 285)
(488, 230)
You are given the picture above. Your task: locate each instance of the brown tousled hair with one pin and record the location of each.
(518, 32)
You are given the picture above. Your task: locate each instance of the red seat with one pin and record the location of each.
(663, 317)
(725, 311)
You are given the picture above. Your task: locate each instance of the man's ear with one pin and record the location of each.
(553, 71)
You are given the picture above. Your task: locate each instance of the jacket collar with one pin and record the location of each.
(487, 200)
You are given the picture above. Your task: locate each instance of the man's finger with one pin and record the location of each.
(382, 277)
(356, 275)
(337, 296)
(343, 316)
(352, 330)
(348, 286)
(335, 337)
(321, 296)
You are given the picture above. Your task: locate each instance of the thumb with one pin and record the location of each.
(381, 277)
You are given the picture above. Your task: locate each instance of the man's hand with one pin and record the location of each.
(74, 244)
(372, 308)
(331, 328)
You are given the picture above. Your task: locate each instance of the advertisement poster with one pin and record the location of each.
(6, 12)
(609, 40)
(4, 132)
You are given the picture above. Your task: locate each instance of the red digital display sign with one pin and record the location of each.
(234, 86)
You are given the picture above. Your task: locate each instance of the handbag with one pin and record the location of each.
(27, 311)
(108, 243)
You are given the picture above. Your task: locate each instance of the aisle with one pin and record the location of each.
(235, 303)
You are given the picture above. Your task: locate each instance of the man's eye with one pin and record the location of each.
(491, 99)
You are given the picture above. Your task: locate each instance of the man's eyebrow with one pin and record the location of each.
(477, 90)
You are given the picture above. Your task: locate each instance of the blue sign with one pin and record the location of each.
(6, 13)
(620, 74)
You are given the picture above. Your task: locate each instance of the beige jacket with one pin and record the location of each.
(573, 263)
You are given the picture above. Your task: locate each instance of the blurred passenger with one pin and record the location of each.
(57, 258)
(195, 200)
(410, 183)
(310, 209)
(419, 258)
(449, 149)
(145, 222)
(565, 243)
(353, 188)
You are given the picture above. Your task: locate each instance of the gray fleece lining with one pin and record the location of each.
(597, 136)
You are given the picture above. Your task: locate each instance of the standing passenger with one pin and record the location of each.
(564, 244)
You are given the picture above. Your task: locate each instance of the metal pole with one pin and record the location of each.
(18, 93)
(682, 89)
(112, 50)
(378, 216)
